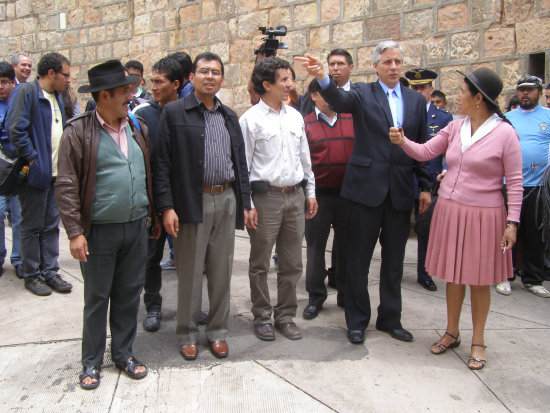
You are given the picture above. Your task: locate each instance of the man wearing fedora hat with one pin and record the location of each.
(421, 81)
(104, 192)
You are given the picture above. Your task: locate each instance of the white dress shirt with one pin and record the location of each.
(277, 150)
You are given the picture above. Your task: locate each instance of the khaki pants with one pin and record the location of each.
(281, 220)
(207, 245)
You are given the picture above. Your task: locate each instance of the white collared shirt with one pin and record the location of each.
(486, 127)
(277, 150)
(346, 87)
(321, 116)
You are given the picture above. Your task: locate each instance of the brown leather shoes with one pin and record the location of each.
(264, 331)
(290, 330)
(189, 351)
(219, 348)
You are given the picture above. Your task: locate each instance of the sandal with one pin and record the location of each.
(482, 362)
(92, 372)
(442, 348)
(129, 367)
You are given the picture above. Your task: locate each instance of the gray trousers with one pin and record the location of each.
(280, 219)
(114, 274)
(209, 246)
(39, 232)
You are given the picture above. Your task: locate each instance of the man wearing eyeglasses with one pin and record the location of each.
(532, 123)
(35, 120)
(202, 190)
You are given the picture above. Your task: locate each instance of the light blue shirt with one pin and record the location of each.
(398, 97)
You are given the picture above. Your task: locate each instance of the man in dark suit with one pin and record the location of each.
(378, 185)
(421, 81)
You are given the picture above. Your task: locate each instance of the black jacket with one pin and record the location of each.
(178, 160)
(378, 167)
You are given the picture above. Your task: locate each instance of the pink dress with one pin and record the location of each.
(469, 218)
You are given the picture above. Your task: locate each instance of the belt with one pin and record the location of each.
(216, 189)
(285, 189)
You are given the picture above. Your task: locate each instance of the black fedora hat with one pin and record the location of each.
(105, 76)
(487, 82)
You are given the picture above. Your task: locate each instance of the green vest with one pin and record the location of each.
(120, 188)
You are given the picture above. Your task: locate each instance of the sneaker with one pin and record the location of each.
(152, 321)
(57, 283)
(504, 288)
(537, 290)
(37, 286)
(168, 264)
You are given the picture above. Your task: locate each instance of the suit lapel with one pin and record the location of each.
(383, 100)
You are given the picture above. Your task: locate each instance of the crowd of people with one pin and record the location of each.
(138, 168)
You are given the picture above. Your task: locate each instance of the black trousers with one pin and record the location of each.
(367, 225)
(332, 211)
(422, 250)
(113, 276)
(153, 274)
(530, 238)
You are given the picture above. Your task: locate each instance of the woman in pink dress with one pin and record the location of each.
(471, 235)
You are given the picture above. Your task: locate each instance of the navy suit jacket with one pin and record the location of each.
(377, 167)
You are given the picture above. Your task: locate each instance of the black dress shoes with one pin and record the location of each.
(398, 333)
(311, 311)
(356, 336)
(427, 284)
(151, 322)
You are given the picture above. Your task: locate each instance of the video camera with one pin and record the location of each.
(271, 44)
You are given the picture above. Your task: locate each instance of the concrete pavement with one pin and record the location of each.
(40, 339)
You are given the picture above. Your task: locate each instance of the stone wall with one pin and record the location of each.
(444, 35)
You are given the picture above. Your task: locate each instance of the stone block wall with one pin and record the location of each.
(443, 35)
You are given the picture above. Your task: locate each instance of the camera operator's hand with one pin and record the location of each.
(313, 65)
(259, 50)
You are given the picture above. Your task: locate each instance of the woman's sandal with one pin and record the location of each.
(442, 348)
(482, 362)
(93, 373)
(129, 367)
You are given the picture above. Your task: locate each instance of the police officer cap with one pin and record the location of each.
(420, 76)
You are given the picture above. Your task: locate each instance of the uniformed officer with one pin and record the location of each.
(421, 81)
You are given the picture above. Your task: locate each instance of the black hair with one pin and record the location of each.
(266, 70)
(341, 52)
(208, 56)
(171, 69)
(514, 101)
(314, 86)
(491, 107)
(52, 61)
(439, 93)
(185, 61)
(134, 64)
(6, 70)
(548, 86)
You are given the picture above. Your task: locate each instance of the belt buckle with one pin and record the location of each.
(217, 189)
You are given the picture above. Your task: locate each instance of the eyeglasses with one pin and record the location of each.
(532, 81)
(206, 72)
(67, 75)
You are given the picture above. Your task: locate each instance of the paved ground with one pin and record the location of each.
(40, 353)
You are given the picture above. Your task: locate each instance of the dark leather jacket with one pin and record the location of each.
(75, 184)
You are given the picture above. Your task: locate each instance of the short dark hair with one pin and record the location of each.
(208, 56)
(439, 93)
(266, 70)
(314, 86)
(6, 70)
(134, 64)
(170, 68)
(341, 52)
(548, 86)
(52, 61)
(185, 61)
